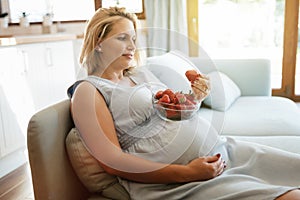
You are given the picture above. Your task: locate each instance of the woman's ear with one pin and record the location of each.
(98, 48)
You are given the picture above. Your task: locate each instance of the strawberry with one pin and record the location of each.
(191, 97)
(192, 75)
(170, 93)
(172, 106)
(164, 99)
(173, 114)
(180, 106)
(189, 105)
(180, 98)
(175, 100)
(159, 94)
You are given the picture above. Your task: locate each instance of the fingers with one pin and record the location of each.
(218, 162)
(199, 93)
(215, 158)
(207, 167)
(221, 167)
(201, 87)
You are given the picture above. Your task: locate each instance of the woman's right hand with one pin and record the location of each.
(205, 168)
(200, 84)
(201, 87)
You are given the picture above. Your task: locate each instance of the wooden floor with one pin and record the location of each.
(17, 185)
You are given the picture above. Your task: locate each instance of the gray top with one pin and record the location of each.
(137, 122)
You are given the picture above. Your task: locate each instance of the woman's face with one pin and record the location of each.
(117, 49)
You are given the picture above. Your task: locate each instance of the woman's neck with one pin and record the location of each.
(115, 77)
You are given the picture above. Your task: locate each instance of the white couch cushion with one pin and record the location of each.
(223, 93)
(242, 72)
(170, 69)
(262, 116)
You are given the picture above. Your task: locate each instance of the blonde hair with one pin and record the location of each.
(97, 29)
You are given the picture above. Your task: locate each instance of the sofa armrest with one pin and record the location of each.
(52, 174)
(253, 76)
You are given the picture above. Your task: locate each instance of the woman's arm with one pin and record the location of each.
(94, 121)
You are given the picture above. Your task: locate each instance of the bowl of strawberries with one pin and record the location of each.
(175, 106)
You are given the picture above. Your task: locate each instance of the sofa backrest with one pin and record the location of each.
(253, 76)
(52, 174)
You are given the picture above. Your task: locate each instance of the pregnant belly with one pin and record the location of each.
(177, 142)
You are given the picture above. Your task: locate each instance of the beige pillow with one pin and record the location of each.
(91, 174)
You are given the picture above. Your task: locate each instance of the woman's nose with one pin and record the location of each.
(131, 46)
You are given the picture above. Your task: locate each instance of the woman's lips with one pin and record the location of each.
(130, 56)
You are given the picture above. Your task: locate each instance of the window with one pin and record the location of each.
(244, 29)
(134, 6)
(63, 10)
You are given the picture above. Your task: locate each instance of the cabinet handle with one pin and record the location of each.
(25, 61)
(49, 59)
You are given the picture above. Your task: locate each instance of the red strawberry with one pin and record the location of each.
(189, 105)
(192, 75)
(180, 98)
(173, 114)
(190, 97)
(180, 106)
(159, 94)
(170, 93)
(175, 100)
(164, 99)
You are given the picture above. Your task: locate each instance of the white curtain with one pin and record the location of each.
(166, 26)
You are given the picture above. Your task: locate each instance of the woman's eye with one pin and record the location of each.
(122, 38)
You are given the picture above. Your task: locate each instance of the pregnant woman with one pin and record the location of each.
(154, 158)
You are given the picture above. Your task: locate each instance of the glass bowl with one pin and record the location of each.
(175, 112)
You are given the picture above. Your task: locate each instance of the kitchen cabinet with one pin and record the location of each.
(49, 70)
(32, 76)
(60, 61)
(14, 110)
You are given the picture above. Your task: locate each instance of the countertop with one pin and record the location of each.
(10, 40)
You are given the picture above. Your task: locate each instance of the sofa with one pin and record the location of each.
(241, 104)
(249, 113)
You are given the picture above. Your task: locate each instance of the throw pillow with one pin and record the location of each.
(89, 171)
(170, 69)
(223, 93)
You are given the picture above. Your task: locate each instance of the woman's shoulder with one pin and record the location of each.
(94, 81)
(89, 86)
(80, 85)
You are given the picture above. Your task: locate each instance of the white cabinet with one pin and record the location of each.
(60, 61)
(34, 72)
(31, 77)
(49, 70)
(15, 107)
(15, 101)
